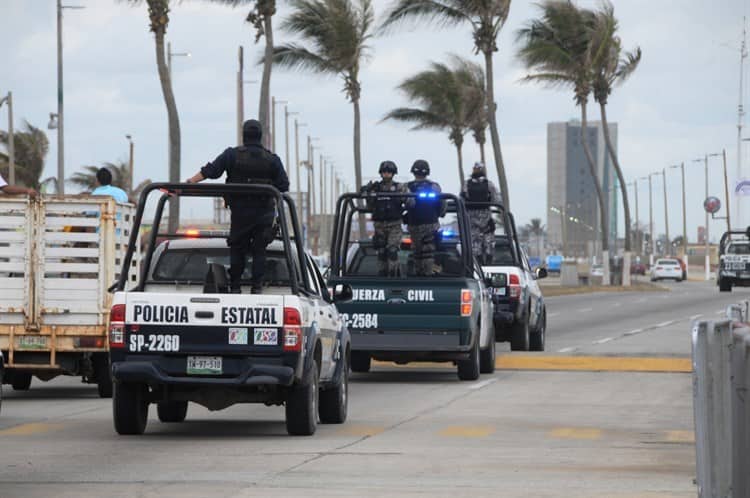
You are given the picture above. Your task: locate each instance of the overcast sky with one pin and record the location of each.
(680, 104)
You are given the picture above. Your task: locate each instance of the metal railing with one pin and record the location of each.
(721, 403)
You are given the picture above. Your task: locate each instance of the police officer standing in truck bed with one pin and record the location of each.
(423, 214)
(252, 215)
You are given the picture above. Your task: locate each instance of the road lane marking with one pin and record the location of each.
(680, 436)
(550, 315)
(603, 341)
(484, 383)
(361, 430)
(576, 433)
(633, 332)
(566, 350)
(695, 317)
(468, 431)
(595, 363)
(30, 429)
(721, 312)
(585, 310)
(664, 324)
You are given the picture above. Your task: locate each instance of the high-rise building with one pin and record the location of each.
(571, 194)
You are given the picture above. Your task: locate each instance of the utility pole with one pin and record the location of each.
(130, 164)
(740, 119)
(322, 184)
(11, 139)
(652, 242)
(637, 222)
(240, 95)
(708, 247)
(726, 190)
(684, 216)
(297, 126)
(666, 212)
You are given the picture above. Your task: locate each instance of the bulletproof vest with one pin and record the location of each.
(426, 210)
(253, 164)
(477, 190)
(387, 208)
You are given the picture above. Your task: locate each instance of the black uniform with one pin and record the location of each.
(252, 216)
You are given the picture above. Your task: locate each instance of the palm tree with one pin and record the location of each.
(158, 13)
(440, 94)
(487, 18)
(120, 178)
(261, 17)
(557, 47)
(612, 67)
(335, 35)
(31, 147)
(471, 76)
(538, 230)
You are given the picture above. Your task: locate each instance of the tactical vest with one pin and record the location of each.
(425, 210)
(478, 190)
(387, 208)
(253, 164)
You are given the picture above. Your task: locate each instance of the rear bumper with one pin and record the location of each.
(731, 277)
(240, 373)
(411, 341)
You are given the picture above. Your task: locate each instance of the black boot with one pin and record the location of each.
(256, 288)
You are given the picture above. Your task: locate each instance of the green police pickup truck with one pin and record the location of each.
(446, 317)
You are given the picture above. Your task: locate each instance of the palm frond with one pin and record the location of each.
(443, 13)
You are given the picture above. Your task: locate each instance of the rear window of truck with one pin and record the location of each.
(448, 261)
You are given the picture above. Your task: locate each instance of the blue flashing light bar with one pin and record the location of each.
(427, 195)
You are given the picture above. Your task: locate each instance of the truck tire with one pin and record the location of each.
(21, 381)
(519, 334)
(103, 375)
(360, 362)
(302, 405)
(469, 369)
(487, 358)
(724, 286)
(536, 339)
(335, 400)
(172, 411)
(130, 408)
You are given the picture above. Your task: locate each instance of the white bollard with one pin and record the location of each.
(741, 412)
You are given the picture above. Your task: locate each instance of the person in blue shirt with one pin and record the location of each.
(104, 186)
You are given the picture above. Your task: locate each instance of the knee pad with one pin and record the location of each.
(392, 253)
(378, 240)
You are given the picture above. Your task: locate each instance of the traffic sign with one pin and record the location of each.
(712, 205)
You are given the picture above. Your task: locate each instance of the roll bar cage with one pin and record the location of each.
(288, 234)
(727, 237)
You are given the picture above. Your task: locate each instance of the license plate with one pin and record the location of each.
(498, 291)
(204, 365)
(736, 266)
(32, 342)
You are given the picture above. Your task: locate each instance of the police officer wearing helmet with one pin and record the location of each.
(252, 215)
(477, 192)
(386, 216)
(423, 214)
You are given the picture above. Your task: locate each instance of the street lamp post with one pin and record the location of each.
(130, 165)
(652, 243)
(273, 121)
(11, 139)
(297, 126)
(684, 217)
(637, 222)
(60, 114)
(240, 95)
(666, 211)
(726, 190)
(171, 54)
(286, 136)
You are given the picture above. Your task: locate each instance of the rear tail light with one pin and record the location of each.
(514, 287)
(117, 327)
(466, 302)
(292, 330)
(659, 268)
(88, 342)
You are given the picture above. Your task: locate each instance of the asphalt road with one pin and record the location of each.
(411, 431)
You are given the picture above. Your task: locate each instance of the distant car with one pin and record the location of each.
(597, 271)
(666, 268)
(638, 269)
(554, 262)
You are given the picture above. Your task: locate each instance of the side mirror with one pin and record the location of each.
(342, 293)
(498, 280)
(541, 272)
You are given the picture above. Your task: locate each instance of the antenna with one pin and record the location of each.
(741, 115)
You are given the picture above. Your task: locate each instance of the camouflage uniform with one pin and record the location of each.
(423, 226)
(423, 247)
(481, 224)
(387, 223)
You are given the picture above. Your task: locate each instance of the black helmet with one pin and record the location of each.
(252, 130)
(420, 167)
(388, 167)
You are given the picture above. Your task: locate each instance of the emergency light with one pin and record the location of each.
(426, 195)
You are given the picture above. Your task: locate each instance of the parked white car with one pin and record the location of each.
(666, 268)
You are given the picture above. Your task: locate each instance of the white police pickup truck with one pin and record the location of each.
(734, 260)
(178, 336)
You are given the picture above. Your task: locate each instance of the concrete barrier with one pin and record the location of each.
(721, 404)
